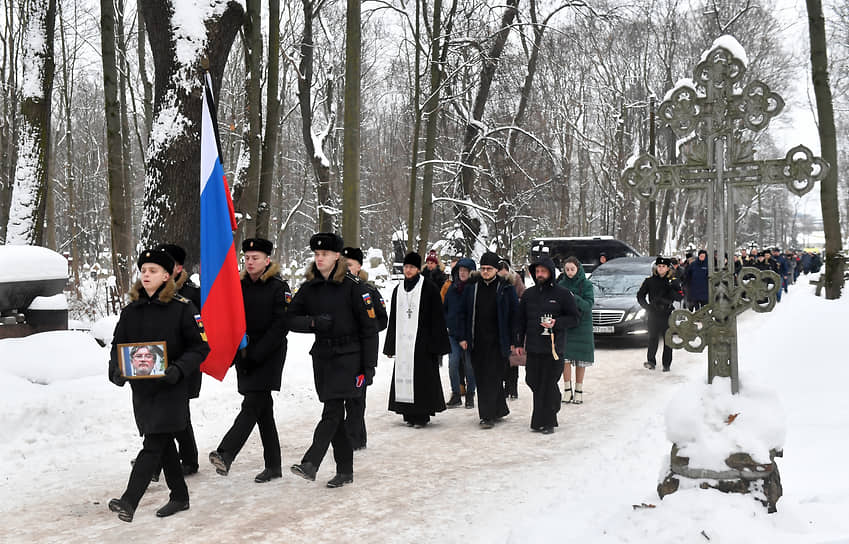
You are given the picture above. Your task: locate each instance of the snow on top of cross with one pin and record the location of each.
(731, 44)
(18, 262)
(683, 82)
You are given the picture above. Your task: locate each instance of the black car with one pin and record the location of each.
(616, 312)
(587, 249)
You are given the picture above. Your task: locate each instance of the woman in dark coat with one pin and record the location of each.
(160, 405)
(431, 342)
(580, 343)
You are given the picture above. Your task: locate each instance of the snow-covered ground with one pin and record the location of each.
(68, 435)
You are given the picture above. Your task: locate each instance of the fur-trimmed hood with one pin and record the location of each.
(338, 273)
(165, 293)
(271, 270)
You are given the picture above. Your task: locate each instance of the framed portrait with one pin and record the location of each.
(141, 360)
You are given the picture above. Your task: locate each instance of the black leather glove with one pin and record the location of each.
(172, 375)
(369, 373)
(118, 379)
(322, 322)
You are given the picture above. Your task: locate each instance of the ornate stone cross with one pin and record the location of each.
(715, 116)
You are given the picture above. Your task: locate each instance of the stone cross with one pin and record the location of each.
(715, 116)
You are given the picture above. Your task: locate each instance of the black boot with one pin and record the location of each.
(268, 474)
(171, 508)
(340, 479)
(221, 461)
(454, 401)
(305, 470)
(123, 509)
(470, 400)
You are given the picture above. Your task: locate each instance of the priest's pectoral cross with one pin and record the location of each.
(409, 312)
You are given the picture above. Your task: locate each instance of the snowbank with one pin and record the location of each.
(49, 357)
(56, 302)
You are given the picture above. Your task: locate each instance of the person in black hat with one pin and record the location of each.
(259, 366)
(355, 407)
(486, 323)
(417, 337)
(187, 445)
(333, 304)
(157, 314)
(695, 282)
(662, 291)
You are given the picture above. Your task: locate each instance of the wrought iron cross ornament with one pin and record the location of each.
(715, 116)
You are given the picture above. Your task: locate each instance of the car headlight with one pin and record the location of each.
(639, 314)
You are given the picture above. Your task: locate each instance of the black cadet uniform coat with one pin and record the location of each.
(662, 292)
(377, 301)
(187, 289)
(158, 406)
(261, 366)
(431, 342)
(349, 348)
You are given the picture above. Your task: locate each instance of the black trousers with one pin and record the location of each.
(331, 430)
(541, 374)
(355, 420)
(157, 449)
(489, 365)
(658, 323)
(257, 410)
(187, 446)
(511, 379)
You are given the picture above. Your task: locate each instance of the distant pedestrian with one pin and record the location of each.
(657, 295)
(580, 343)
(417, 336)
(696, 282)
(487, 322)
(459, 360)
(545, 312)
(511, 372)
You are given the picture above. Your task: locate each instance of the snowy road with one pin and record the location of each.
(450, 482)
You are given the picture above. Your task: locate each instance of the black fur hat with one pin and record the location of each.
(176, 252)
(326, 240)
(258, 244)
(414, 259)
(354, 253)
(662, 260)
(156, 256)
(490, 259)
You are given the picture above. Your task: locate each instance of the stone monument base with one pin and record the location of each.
(744, 475)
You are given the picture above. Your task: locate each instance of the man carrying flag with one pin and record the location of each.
(222, 309)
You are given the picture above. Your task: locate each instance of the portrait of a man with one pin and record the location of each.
(143, 360)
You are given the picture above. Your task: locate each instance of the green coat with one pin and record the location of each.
(579, 340)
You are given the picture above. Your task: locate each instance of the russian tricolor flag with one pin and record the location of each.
(221, 305)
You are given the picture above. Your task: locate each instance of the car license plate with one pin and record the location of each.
(603, 329)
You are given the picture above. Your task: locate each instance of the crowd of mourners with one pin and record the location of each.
(484, 315)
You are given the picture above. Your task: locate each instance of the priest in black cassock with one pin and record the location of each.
(417, 336)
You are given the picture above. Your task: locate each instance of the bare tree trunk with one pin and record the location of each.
(67, 95)
(27, 209)
(272, 126)
(828, 140)
(351, 138)
(431, 109)
(319, 161)
(417, 125)
(470, 226)
(126, 150)
(121, 231)
(172, 201)
(9, 133)
(146, 84)
(246, 186)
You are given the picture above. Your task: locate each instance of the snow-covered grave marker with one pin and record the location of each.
(717, 116)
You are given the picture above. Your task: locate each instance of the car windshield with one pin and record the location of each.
(611, 285)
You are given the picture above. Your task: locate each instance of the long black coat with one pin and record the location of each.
(349, 348)
(188, 289)
(160, 407)
(662, 292)
(546, 298)
(261, 369)
(431, 342)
